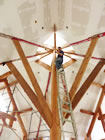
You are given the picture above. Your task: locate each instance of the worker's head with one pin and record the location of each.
(59, 48)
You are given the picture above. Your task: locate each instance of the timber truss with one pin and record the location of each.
(50, 115)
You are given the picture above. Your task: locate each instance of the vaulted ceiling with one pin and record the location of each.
(33, 21)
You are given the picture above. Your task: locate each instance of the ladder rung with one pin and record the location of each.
(65, 110)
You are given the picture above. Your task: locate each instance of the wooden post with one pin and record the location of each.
(55, 132)
(102, 118)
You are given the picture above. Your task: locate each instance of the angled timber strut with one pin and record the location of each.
(33, 80)
(80, 93)
(82, 69)
(34, 99)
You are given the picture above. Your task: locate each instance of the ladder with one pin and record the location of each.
(64, 99)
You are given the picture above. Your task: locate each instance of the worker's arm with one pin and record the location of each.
(61, 54)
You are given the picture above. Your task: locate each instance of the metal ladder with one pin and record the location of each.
(64, 99)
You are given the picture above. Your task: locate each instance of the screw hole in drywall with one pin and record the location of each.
(66, 27)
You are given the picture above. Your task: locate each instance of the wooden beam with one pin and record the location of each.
(55, 131)
(37, 89)
(87, 112)
(82, 68)
(46, 48)
(25, 110)
(16, 109)
(86, 85)
(41, 53)
(9, 84)
(46, 66)
(29, 93)
(45, 55)
(67, 64)
(96, 112)
(102, 118)
(5, 75)
(97, 84)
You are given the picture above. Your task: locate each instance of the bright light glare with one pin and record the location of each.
(59, 42)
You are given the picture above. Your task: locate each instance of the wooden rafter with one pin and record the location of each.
(5, 75)
(9, 84)
(67, 64)
(45, 55)
(82, 69)
(87, 112)
(42, 101)
(5, 116)
(46, 66)
(16, 109)
(42, 53)
(102, 118)
(30, 93)
(96, 112)
(25, 110)
(97, 84)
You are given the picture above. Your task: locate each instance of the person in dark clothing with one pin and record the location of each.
(59, 59)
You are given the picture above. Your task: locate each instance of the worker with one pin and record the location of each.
(59, 59)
